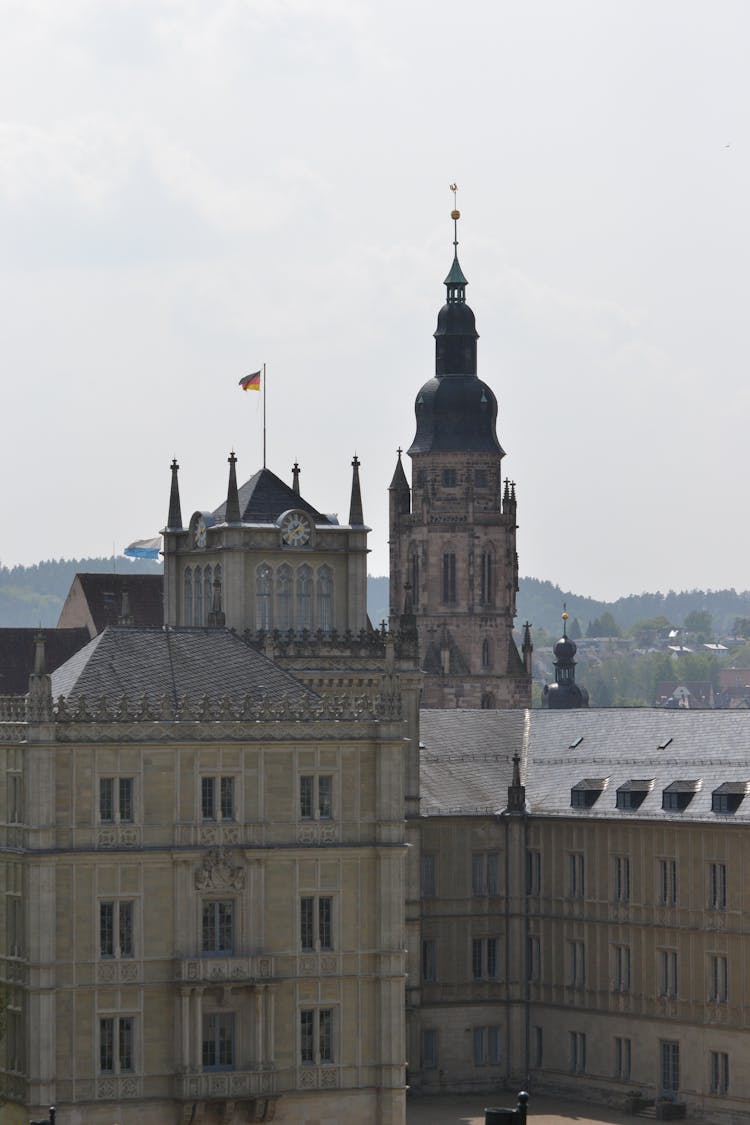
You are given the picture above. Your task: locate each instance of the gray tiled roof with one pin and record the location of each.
(467, 758)
(175, 663)
(264, 497)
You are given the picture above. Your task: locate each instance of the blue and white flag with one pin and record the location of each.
(144, 548)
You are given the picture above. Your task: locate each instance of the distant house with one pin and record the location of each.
(688, 694)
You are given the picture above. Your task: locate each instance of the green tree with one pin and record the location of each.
(604, 626)
(700, 622)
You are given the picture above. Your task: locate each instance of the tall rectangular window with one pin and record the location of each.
(428, 876)
(667, 972)
(217, 926)
(577, 1042)
(14, 1042)
(449, 578)
(116, 800)
(718, 984)
(316, 922)
(622, 878)
(484, 959)
(485, 873)
(717, 886)
(669, 1051)
(117, 1044)
(576, 964)
(533, 958)
(218, 1041)
(429, 960)
(621, 968)
(15, 799)
(576, 875)
(14, 925)
(667, 882)
(217, 798)
(622, 1058)
(316, 797)
(537, 1046)
(116, 929)
(719, 1062)
(429, 1049)
(533, 872)
(486, 1042)
(316, 1036)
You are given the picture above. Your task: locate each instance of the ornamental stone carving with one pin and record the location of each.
(219, 873)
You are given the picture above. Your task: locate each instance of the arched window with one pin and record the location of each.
(208, 589)
(188, 596)
(414, 576)
(486, 653)
(263, 592)
(325, 598)
(284, 597)
(219, 577)
(304, 597)
(486, 578)
(449, 578)
(198, 592)
(488, 701)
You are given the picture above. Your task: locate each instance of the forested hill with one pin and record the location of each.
(34, 595)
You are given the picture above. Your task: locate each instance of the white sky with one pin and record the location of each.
(191, 188)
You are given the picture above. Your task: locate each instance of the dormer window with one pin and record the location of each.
(632, 794)
(586, 793)
(728, 797)
(677, 796)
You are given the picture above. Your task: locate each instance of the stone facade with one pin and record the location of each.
(202, 918)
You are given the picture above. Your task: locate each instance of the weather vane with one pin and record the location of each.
(455, 215)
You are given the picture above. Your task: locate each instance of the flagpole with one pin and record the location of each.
(264, 415)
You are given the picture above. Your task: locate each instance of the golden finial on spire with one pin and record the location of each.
(455, 213)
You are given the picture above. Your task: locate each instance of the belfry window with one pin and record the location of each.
(284, 597)
(325, 599)
(486, 578)
(414, 577)
(304, 597)
(449, 578)
(263, 588)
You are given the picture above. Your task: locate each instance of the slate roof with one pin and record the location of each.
(175, 663)
(264, 497)
(466, 760)
(103, 593)
(18, 649)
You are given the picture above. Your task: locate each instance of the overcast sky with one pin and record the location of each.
(190, 189)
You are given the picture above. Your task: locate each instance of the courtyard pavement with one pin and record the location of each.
(437, 1109)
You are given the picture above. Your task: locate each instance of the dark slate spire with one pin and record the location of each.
(455, 411)
(516, 791)
(174, 519)
(295, 478)
(356, 517)
(527, 648)
(233, 499)
(565, 692)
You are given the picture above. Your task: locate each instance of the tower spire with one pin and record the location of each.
(174, 519)
(233, 498)
(455, 282)
(356, 516)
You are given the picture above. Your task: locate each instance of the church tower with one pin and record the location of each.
(453, 559)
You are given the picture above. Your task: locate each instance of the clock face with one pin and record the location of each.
(296, 529)
(199, 532)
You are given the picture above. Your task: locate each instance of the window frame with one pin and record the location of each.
(121, 799)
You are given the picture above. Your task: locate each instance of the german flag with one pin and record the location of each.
(251, 382)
